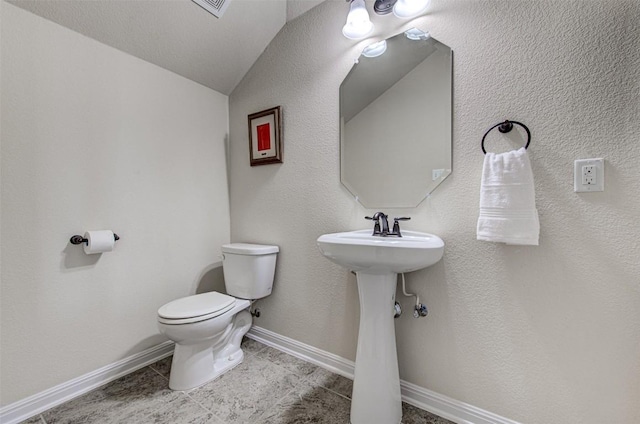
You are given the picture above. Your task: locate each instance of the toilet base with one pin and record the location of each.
(189, 378)
(196, 364)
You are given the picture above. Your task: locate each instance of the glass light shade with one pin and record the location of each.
(409, 8)
(375, 49)
(358, 23)
(416, 34)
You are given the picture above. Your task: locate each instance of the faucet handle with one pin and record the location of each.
(396, 225)
(376, 225)
(402, 218)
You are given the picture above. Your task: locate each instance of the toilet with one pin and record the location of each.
(208, 328)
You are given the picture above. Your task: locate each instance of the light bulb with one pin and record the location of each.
(358, 23)
(409, 8)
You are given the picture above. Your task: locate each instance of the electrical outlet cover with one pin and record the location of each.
(436, 174)
(583, 183)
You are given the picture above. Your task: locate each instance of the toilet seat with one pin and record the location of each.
(199, 307)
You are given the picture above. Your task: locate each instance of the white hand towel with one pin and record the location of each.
(508, 211)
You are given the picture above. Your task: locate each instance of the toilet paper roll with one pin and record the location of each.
(99, 241)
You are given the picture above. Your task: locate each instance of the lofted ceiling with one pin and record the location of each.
(179, 35)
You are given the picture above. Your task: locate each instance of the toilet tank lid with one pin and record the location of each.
(249, 249)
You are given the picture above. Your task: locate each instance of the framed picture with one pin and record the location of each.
(265, 137)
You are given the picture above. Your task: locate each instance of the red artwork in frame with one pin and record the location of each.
(265, 137)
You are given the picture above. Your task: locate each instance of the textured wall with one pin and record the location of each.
(94, 138)
(546, 334)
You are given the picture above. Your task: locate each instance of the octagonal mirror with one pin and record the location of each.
(395, 121)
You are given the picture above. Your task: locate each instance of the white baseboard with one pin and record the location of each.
(321, 358)
(449, 408)
(40, 402)
(446, 407)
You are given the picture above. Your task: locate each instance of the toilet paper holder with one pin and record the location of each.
(78, 239)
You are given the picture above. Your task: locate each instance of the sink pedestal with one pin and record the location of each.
(377, 262)
(376, 384)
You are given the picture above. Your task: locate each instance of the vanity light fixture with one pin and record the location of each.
(383, 7)
(358, 23)
(416, 34)
(375, 49)
(409, 8)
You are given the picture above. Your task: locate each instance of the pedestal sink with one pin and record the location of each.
(377, 262)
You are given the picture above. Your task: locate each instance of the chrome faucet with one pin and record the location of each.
(381, 225)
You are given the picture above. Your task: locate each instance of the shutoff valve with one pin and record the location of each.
(420, 310)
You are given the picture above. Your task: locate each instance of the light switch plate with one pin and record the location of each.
(588, 175)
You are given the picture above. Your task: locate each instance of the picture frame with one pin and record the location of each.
(265, 137)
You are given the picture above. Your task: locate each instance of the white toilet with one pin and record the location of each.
(208, 328)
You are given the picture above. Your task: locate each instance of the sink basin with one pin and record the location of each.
(361, 251)
(377, 261)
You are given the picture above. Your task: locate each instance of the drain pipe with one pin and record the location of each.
(420, 310)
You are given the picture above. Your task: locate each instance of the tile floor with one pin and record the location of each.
(269, 387)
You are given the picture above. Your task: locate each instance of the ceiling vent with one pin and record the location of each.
(215, 7)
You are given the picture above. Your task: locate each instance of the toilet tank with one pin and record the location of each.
(249, 269)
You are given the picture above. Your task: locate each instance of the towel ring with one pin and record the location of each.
(505, 127)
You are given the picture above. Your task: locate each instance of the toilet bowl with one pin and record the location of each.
(208, 328)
